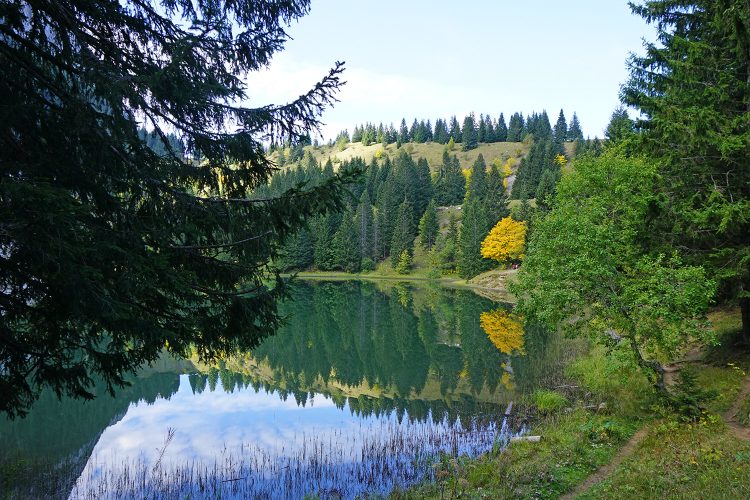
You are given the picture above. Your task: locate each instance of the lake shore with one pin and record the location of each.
(492, 284)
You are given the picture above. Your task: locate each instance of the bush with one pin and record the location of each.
(548, 401)
(688, 400)
(368, 265)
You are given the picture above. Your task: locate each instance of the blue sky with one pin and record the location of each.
(422, 59)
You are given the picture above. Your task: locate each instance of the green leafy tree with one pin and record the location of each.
(586, 271)
(111, 252)
(692, 90)
(429, 227)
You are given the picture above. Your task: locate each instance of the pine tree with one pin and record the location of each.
(482, 130)
(501, 131)
(474, 228)
(455, 129)
(414, 131)
(574, 129)
(403, 132)
(403, 232)
(297, 253)
(495, 200)
(620, 126)
(478, 179)
(441, 135)
(344, 246)
(365, 224)
(469, 134)
(692, 89)
(515, 128)
(561, 128)
(111, 251)
(428, 227)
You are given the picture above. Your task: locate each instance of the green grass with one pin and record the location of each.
(548, 402)
(572, 447)
(682, 461)
(675, 459)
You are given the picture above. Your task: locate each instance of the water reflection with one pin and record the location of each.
(363, 385)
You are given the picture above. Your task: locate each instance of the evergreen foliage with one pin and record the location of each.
(469, 139)
(692, 88)
(112, 250)
(403, 233)
(574, 129)
(501, 131)
(560, 131)
(429, 227)
(620, 126)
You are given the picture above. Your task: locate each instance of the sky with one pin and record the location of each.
(434, 59)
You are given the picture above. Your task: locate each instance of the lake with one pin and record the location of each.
(363, 390)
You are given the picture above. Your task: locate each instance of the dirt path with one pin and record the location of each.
(604, 471)
(730, 417)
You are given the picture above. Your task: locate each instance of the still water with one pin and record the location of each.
(362, 391)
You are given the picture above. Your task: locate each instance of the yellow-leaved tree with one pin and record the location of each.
(506, 241)
(504, 330)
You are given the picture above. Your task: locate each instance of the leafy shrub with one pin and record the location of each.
(368, 265)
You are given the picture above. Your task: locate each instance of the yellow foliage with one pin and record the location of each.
(503, 330)
(561, 160)
(507, 382)
(506, 241)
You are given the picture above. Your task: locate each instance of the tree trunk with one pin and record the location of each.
(745, 307)
(651, 366)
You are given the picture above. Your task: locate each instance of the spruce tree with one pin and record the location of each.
(515, 128)
(574, 129)
(474, 228)
(478, 179)
(620, 126)
(455, 129)
(428, 227)
(365, 225)
(560, 132)
(345, 245)
(501, 131)
(495, 200)
(692, 88)
(482, 130)
(112, 252)
(403, 232)
(469, 133)
(403, 132)
(441, 132)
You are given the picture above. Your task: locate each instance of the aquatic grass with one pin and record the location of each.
(376, 458)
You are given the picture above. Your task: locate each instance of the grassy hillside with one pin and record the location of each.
(432, 151)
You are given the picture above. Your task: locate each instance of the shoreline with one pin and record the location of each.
(495, 293)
